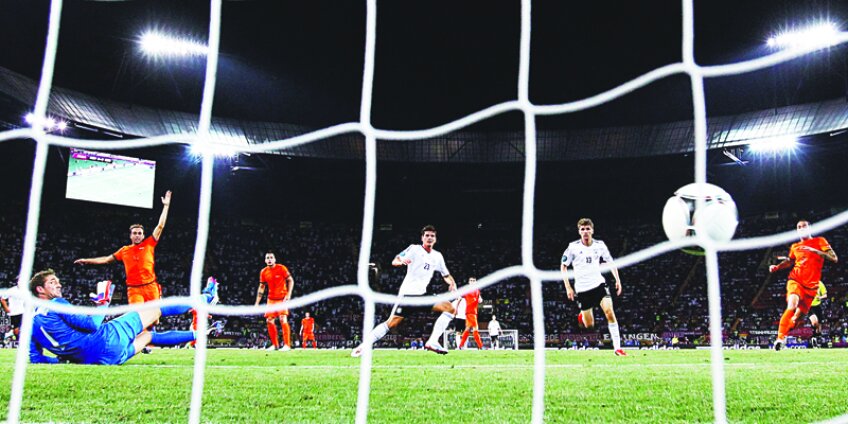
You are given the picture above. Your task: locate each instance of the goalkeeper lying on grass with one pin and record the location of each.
(84, 339)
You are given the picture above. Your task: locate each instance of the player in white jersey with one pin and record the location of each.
(590, 287)
(495, 332)
(14, 308)
(421, 261)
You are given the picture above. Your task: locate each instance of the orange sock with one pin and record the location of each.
(464, 339)
(286, 334)
(193, 326)
(478, 340)
(787, 322)
(272, 333)
(193, 319)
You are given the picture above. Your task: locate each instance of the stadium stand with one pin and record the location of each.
(664, 297)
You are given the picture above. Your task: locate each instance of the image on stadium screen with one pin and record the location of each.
(108, 178)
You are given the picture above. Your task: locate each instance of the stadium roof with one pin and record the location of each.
(118, 118)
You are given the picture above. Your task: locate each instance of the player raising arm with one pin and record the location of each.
(808, 256)
(138, 259)
(590, 287)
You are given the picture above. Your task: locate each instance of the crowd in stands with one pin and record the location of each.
(665, 296)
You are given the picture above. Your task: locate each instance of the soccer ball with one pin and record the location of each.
(717, 218)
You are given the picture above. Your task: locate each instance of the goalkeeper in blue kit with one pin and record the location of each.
(85, 339)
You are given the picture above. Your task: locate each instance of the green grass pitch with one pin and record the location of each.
(420, 387)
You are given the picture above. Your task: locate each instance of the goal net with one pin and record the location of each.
(364, 126)
(507, 339)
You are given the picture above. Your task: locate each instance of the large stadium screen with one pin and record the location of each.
(107, 178)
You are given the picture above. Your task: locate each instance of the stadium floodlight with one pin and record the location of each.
(49, 123)
(774, 144)
(821, 35)
(216, 149)
(161, 45)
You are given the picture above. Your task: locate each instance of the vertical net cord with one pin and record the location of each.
(713, 283)
(206, 176)
(365, 365)
(527, 220)
(34, 211)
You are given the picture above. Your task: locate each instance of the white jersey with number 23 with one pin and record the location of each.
(420, 271)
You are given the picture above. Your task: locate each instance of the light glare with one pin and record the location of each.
(774, 144)
(48, 124)
(216, 149)
(814, 37)
(156, 44)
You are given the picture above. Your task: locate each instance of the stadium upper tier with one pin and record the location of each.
(127, 120)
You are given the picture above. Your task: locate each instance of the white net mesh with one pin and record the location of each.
(527, 269)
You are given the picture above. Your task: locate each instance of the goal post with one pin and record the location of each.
(507, 339)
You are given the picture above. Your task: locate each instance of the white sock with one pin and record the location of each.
(376, 334)
(616, 338)
(439, 327)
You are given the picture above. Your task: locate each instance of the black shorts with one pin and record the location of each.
(407, 311)
(458, 324)
(494, 338)
(817, 311)
(589, 299)
(16, 320)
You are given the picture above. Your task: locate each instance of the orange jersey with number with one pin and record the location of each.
(138, 262)
(308, 325)
(471, 301)
(808, 265)
(275, 277)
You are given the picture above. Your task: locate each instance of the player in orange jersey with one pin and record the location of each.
(808, 255)
(307, 331)
(471, 301)
(280, 284)
(138, 260)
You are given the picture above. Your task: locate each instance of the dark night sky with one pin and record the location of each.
(301, 62)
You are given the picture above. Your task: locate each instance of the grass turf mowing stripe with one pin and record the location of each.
(419, 387)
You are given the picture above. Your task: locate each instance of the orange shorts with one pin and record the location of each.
(145, 293)
(284, 312)
(805, 294)
(308, 337)
(471, 321)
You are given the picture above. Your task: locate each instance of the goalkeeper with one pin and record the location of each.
(84, 339)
